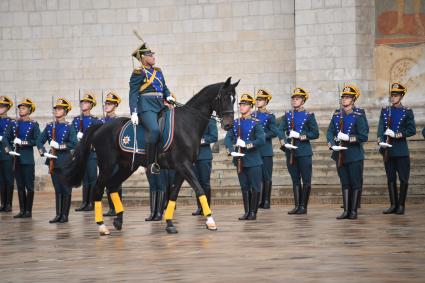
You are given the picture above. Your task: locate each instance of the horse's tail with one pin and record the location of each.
(75, 168)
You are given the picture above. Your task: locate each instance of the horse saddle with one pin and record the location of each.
(128, 136)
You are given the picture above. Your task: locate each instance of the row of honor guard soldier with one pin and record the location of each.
(396, 123)
(6, 160)
(112, 102)
(19, 139)
(62, 139)
(347, 131)
(81, 124)
(243, 142)
(148, 95)
(298, 128)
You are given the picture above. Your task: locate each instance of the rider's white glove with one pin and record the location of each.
(171, 100)
(134, 118)
(54, 144)
(14, 153)
(338, 148)
(1, 138)
(294, 134)
(240, 143)
(17, 141)
(51, 156)
(237, 154)
(343, 137)
(390, 133)
(80, 135)
(290, 146)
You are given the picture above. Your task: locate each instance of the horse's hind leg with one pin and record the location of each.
(171, 205)
(187, 172)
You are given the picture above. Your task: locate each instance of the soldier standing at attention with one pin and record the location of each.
(243, 142)
(396, 123)
(6, 160)
(203, 165)
(62, 139)
(300, 127)
(347, 132)
(81, 123)
(111, 103)
(268, 122)
(21, 137)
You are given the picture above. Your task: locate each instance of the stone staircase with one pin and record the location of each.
(325, 183)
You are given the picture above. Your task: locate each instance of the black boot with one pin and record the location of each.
(346, 202)
(153, 166)
(58, 199)
(255, 198)
(90, 199)
(111, 211)
(354, 202)
(66, 205)
(84, 203)
(262, 196)
(22, 203)
(392, 191)
(246, 198)
(297, 193)
(9, 199)
(402, 199)
(159, 206)
(28, 208)
(3, 198)
(152, 202)
(305, 195)
(267, 190)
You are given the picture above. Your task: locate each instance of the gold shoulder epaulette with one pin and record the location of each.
(158, 69)
(137, 71)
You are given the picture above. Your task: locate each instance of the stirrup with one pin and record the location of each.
(155, 169)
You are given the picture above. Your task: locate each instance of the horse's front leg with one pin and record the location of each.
(171, 205)
(99, 188)
(187, 172)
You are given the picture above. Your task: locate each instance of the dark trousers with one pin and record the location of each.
(90, 176)
(60, 188)
(150, 123)
(400, 166)
(25, 176)
(300, 170)
(157, 183)
(251, 178)
(202, 169)
(267, 168)
(6, 174)
(351, 175)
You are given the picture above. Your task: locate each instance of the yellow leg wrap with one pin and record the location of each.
(205, 207)
(98, 213)
(117, 202)
(170, 210)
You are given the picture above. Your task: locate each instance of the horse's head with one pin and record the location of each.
(224, 104)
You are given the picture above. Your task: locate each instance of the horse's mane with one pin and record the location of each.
(208, 88)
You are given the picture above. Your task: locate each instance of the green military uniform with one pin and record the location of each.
(350, 161)
(396, 123)
(299, 160)
(6, 160)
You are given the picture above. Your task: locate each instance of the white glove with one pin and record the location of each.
(290, 146)
(1, 138)
(54, 144)
(134, 118)
(385, 145)
(14, 153)
(240, 143)
(293, 134)
(237, 154)
(171, 100)
(51, 156)
(338, 148)
(202, 141)
(17, 141)
(343, 137)
(390, 133)
(80, 135)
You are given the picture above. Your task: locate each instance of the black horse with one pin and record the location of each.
(115, 165)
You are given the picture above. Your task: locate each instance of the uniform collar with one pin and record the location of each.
(263, 110)
(111, 116)
(398, 106)
(300, 109)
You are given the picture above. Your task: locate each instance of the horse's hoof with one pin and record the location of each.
(211, 226)
(103, 230)
(171, 230)
(117, 224)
